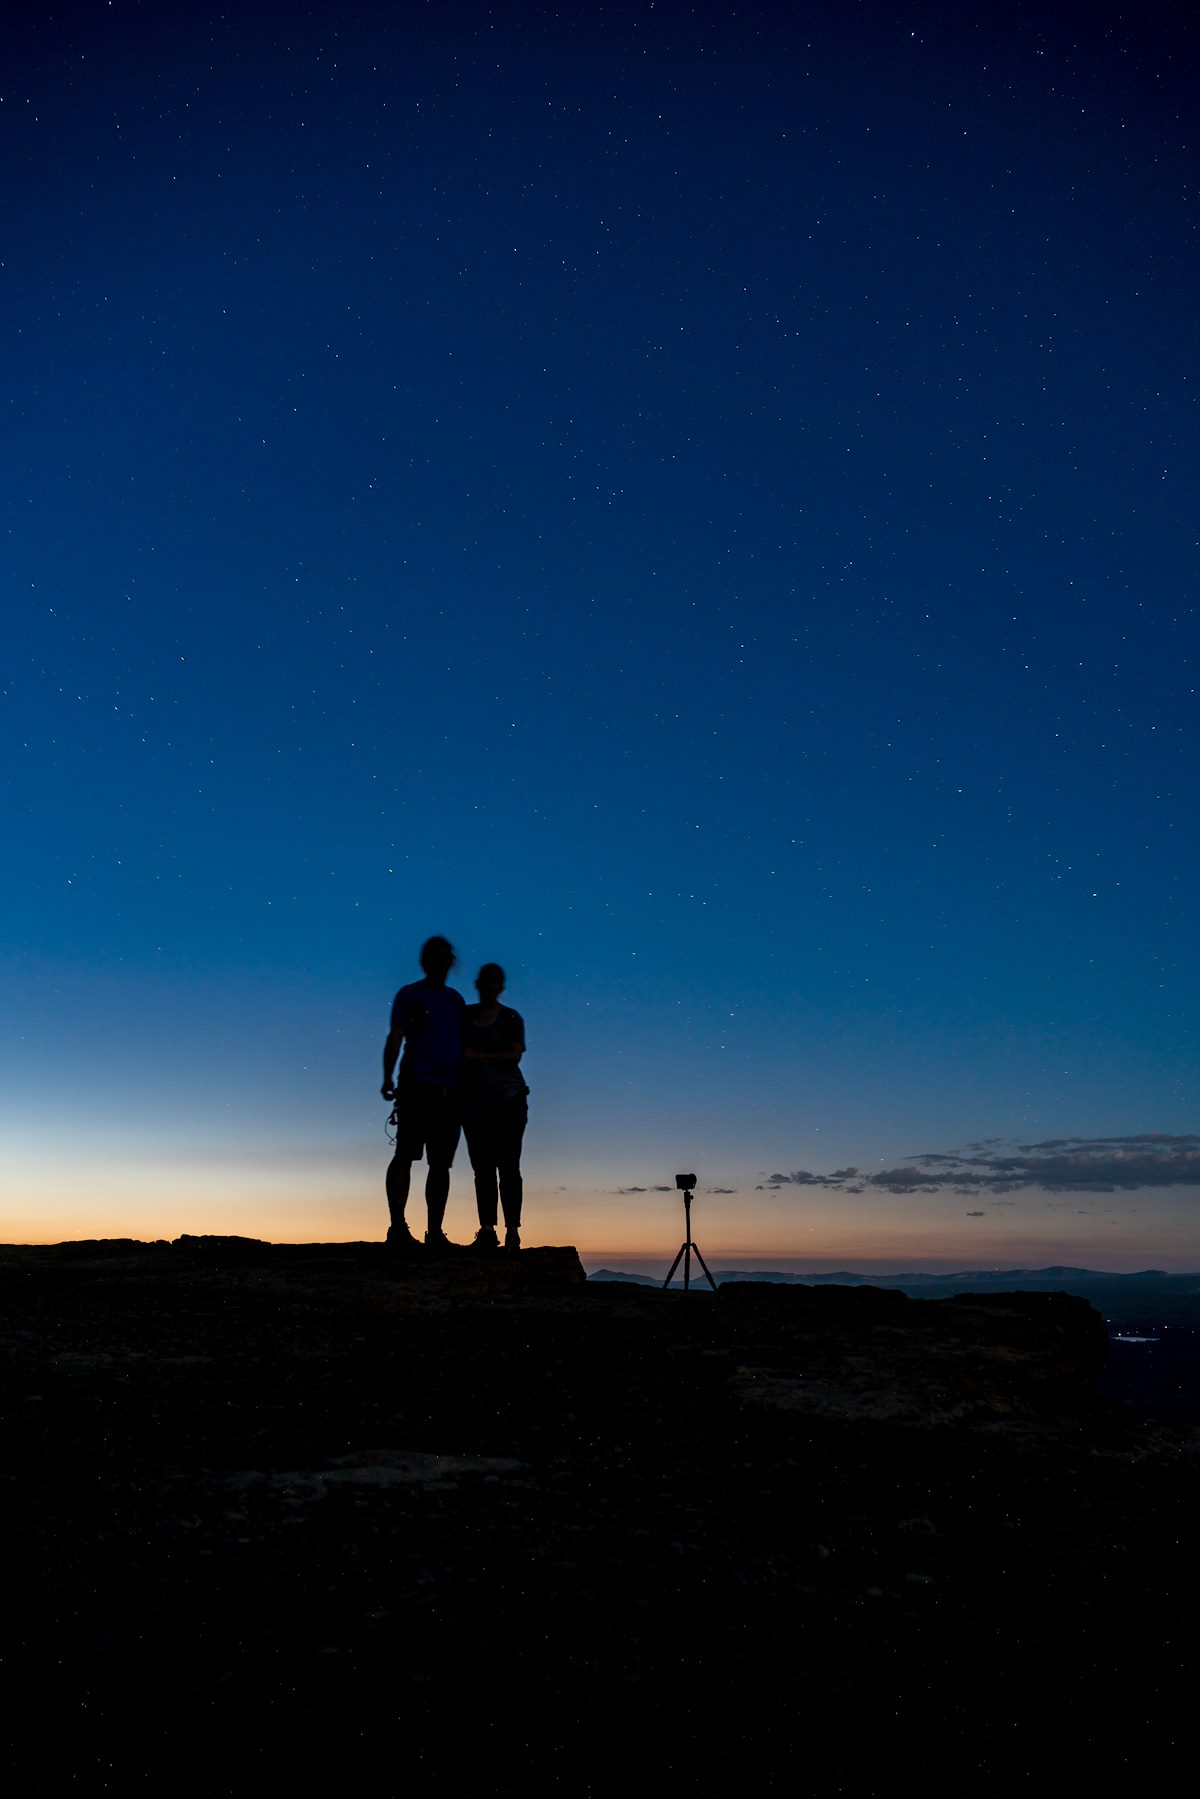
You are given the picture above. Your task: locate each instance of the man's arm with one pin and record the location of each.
(391, 1050)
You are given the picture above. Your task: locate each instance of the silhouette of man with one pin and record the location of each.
(427, 1020)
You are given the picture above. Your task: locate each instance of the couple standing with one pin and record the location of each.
(460, 1071)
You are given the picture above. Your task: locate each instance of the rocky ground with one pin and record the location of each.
(281, 1517)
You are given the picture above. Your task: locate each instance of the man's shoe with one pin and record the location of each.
(486, 1240)
(438, 1243)
(401, 1239)
(512, 1239)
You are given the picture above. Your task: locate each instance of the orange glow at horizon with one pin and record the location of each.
(160, 1200)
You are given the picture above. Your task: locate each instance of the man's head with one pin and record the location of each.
(437, 957)
(489, 982)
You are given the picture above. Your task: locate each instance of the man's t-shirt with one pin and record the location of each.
(485, 1082)
(431, 1018)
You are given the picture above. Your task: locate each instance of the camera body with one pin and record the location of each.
(685, 1182)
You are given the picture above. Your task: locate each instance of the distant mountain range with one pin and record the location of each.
(927, 1286)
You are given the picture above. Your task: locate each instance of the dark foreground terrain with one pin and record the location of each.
(297, 1518)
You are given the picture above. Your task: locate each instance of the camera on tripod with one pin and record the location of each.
(686, 1184)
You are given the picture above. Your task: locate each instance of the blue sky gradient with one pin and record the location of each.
(699, 507)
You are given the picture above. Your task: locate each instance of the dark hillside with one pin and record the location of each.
(289, 1516)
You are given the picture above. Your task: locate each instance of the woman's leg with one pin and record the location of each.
(481, 1148)
(508, 1161)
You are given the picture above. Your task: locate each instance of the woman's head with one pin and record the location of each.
(489, 982)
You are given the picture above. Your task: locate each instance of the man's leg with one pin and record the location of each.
(441, 1140)
(409, 1149)
(399, 1179)
(437, 1192)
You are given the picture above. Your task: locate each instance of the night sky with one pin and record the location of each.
(697, 504)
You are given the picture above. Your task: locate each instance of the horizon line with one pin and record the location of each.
(611, 1260)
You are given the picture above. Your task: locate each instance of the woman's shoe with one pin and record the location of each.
(512, 1239)
(486, 1240)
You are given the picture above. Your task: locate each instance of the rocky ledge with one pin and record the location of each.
(290, 1514)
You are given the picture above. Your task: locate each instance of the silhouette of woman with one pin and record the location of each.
(495, 1106)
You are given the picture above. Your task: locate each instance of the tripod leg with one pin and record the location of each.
(674, 1266)
(687, 1265)
(712, 1283)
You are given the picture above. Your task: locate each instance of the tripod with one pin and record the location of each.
(688, 1249)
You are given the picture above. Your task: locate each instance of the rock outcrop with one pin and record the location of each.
(287, 1516)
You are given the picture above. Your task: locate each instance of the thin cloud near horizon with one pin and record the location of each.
(624, 1191)
(1056, 1165)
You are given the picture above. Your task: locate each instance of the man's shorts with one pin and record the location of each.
(427, 1123)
